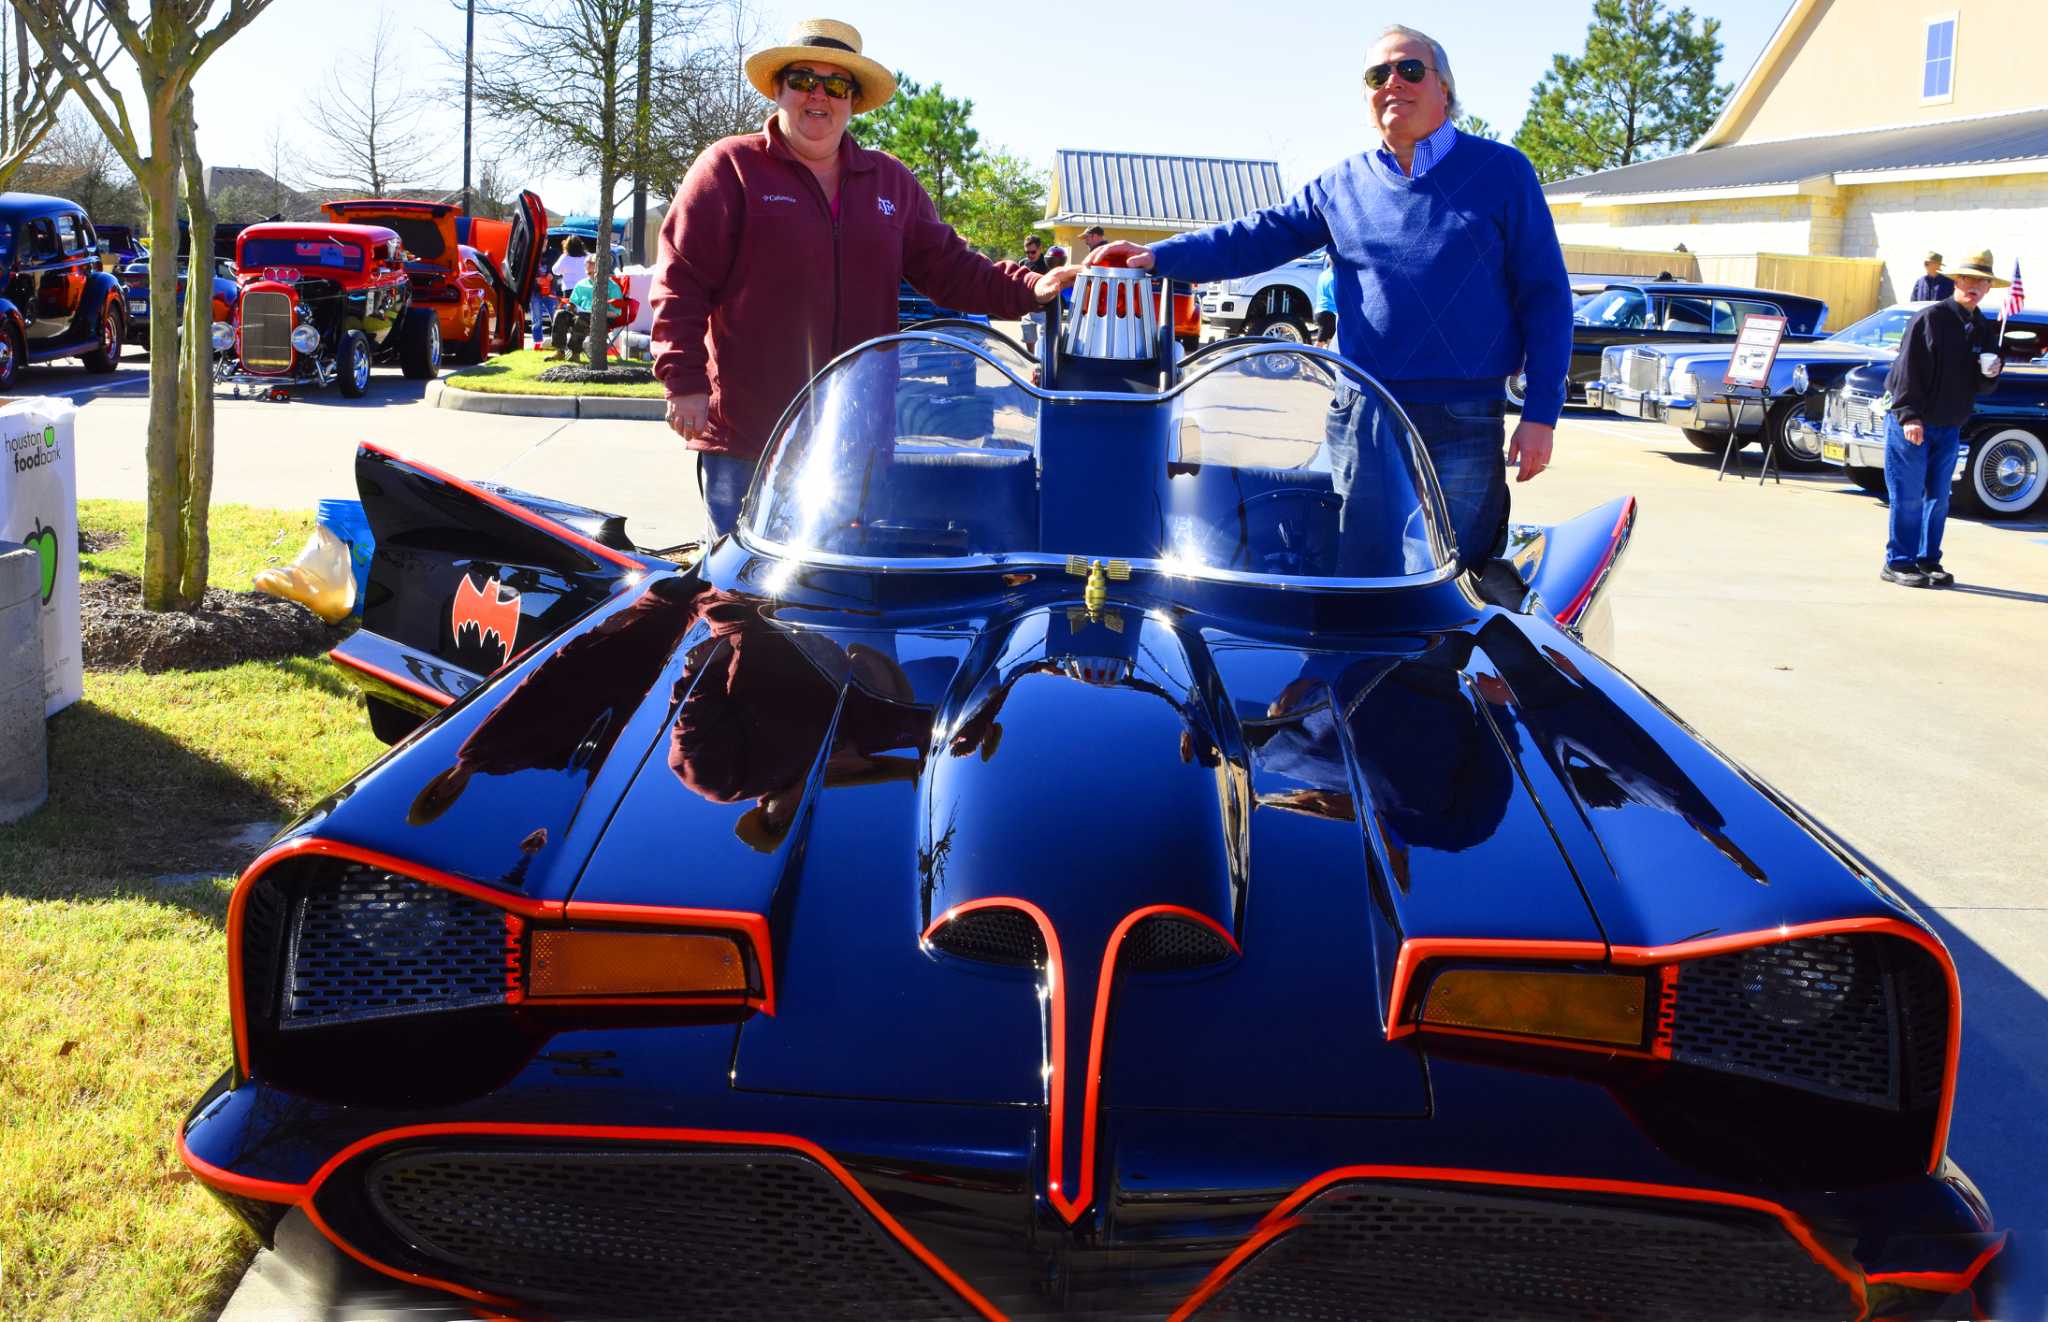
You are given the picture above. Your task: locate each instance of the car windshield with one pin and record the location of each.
(1882, 330)
(1625, 309)
(1267, 462)
(258, 254)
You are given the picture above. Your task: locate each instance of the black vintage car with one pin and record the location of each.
(57, 302)
(1657, 312)
(2002, 470)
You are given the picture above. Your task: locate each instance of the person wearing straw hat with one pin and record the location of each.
(786, 247)
(1933, 286)
(1948, 356)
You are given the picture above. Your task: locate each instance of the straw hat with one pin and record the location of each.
(826, 41)
(1978, 265)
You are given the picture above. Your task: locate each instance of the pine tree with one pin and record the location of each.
(1644, 88)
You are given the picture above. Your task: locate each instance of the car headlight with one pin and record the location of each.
(1801, 383)
(1575, 1006)
(223, 335)
(305, 339)
(1685, 384)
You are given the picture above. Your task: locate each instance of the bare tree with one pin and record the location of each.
(368, 120)
(712, 98)
(76, 161)
(32, 88)
(167, 50)
(579, 114)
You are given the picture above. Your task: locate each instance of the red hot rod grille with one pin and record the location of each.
(267, 331)
(703, 1235)
(1367, 1249)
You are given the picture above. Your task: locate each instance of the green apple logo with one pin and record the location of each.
(44, 541)
(49, 438)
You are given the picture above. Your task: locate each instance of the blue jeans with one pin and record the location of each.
(1466, 441)
(1917, 478)
(722, 480)
(540, 310)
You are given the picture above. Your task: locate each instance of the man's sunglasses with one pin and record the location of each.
(837, 86)
(1411, 71)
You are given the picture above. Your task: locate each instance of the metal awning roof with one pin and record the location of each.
(1159, 192)
(1963, 146)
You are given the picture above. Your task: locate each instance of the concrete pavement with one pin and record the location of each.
(1907, 721)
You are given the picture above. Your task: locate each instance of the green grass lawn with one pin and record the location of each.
(112, 960)
(517, 373)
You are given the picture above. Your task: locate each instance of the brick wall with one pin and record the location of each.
(1899, 223)
(1775, 224)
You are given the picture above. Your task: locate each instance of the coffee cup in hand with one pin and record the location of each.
(1990, 364)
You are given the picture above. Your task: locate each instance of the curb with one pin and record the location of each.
(440, 395)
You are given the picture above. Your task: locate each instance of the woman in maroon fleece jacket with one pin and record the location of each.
(785, 248)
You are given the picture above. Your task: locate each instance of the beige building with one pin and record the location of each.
(1867, 133)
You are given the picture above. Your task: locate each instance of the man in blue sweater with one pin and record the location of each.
(1448, 274)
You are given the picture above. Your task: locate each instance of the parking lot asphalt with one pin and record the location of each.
(1908, 721)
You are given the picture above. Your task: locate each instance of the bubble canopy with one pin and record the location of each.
(932, 450)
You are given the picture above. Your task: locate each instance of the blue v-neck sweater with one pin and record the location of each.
(1445, 284)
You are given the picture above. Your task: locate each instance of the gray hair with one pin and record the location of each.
(1437, 55)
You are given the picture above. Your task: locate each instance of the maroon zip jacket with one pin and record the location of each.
(758, 286)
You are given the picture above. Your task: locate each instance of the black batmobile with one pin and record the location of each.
(1078, 849)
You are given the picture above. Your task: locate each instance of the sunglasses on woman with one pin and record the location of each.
(837, 86)
(1411, 71)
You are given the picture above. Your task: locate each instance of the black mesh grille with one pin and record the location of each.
(1923, 1000)
(1388, 1251)
(993, 936)
(1815, 1014)
(263, 918)
(1163, 943)
(267, 331)
(698, 1235)
(368, 944)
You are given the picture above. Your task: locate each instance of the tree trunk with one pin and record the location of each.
(195, 368)
(163, 558)
(601, 268)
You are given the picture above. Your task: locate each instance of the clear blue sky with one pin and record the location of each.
(1268, 80)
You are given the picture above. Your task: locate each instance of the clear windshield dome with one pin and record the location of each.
(1266, 461)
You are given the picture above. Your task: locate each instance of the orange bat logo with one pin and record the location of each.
(481, 609)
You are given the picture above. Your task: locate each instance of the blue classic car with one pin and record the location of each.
(1670, 312)
(1105, 862)
(56, 301)
(2002, 470)
(1684, 386)
(135, 277)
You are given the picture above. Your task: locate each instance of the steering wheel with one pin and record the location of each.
(1291, 530)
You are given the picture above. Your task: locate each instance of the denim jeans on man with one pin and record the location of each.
(1917, 479)
(722, 480)
(1464, 441)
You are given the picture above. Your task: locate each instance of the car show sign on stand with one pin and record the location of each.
(39, 509)
(1748, 379)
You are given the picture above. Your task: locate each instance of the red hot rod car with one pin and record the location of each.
(321, 302)
(477, 276)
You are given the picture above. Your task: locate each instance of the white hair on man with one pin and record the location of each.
(1436, 55)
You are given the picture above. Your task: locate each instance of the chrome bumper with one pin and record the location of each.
(1849, 450)
(1677, 410)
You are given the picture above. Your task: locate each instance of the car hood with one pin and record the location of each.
(1292, 814)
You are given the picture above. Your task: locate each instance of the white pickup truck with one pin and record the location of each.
(1280, 303)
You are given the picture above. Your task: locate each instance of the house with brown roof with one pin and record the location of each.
(1868, 133)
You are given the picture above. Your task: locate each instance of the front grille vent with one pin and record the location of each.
(367, 944)
(1382, 1250)
(1856, 414)
(267, 331)
(1815, 1014)
(993, 936)
(1165, 944)
(1640, 369)
(701, 1235)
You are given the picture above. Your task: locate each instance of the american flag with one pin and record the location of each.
(2016, 297)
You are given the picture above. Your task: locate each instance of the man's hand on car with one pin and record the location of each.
(687, 414)
(1052, 282)
(1530, 448)
(1134, 255)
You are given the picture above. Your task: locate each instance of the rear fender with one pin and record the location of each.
(1569, 565)
(465, 578)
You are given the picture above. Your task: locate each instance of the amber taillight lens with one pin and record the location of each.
(1582, 1007)
(571, 963)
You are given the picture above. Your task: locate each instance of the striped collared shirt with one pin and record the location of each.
(1428, 152)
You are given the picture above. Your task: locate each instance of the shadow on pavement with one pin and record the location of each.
(2006, 594)
(387, 388)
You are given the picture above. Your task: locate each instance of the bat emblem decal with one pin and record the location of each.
(482, 613)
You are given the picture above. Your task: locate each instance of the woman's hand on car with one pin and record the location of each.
(1052, 282)
(687, 414)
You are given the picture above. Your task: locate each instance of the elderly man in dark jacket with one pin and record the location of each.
(1947, 358)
